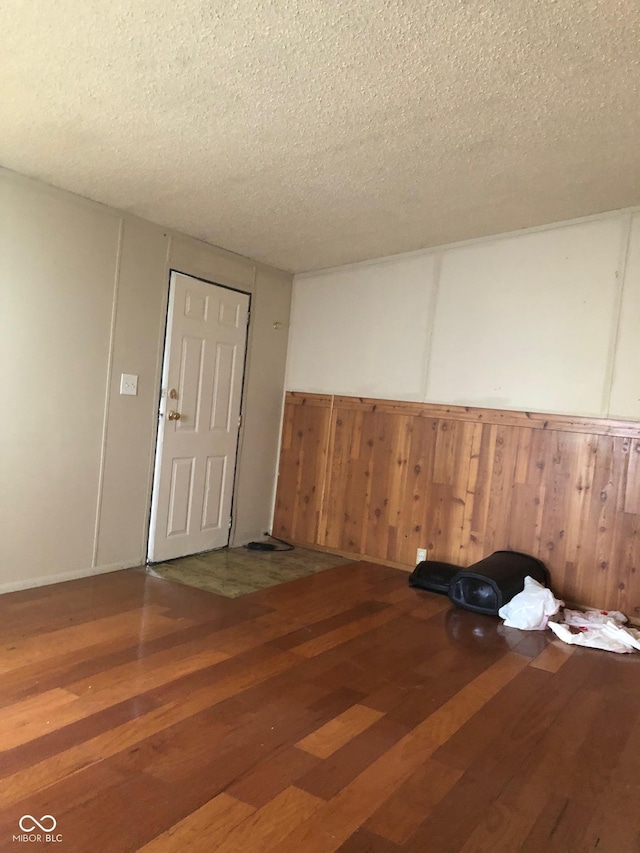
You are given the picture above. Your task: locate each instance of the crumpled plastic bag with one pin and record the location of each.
(597, 629)
(530, 609)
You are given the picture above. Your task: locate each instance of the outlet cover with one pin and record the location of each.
(129, 384)
(421, 555)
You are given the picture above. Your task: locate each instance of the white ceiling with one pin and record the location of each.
(310, 134)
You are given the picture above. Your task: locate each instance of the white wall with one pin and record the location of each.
(349, 329)
(625, 391)
(83, 292)
(546, 320)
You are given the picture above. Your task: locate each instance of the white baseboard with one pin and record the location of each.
(47, 580)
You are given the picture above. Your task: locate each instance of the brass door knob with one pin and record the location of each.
(174, 416)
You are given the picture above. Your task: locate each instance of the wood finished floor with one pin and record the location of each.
(342, 711)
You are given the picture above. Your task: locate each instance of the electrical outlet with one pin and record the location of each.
(421, 555)
(129, 384)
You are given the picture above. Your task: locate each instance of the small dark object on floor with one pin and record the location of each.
(269, 546)
(489, 584)
(433, 576)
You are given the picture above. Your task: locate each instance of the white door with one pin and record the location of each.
(199, 418)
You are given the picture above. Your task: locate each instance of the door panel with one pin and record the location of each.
(180, 496)
(223, 387)
(190, 385)
(202, 383)
(214, 492)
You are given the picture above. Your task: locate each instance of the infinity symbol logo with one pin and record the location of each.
(40, 824)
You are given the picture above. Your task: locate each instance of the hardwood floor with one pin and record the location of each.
(342, 711)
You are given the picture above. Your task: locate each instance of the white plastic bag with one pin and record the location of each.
(598, 629)
(530, 609)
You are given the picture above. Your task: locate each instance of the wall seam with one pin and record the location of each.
(623, 256)
(158, 385)
(320, 537)
(107, 406)
(431, 323)
(272, 510)
(274, 492)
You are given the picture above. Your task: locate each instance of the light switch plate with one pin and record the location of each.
(129, 384)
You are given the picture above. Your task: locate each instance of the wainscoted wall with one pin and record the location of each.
(542, 321)
(380, 479)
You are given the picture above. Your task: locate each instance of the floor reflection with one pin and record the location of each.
(477, 631)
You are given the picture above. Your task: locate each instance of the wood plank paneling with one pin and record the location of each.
(303, 463)
(381, 478)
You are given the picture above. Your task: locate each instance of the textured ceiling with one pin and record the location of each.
(309, 134)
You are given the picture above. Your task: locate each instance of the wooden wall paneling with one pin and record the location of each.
(420, 465)
(628, 568)
(461, 496)
(539, 479)
(628, 571)
(287, 491)
(424, 525)
(379, 437)
(580, 491)
(435, 498)
(302, 469)
(447, 490)
(479, 487)
(445, 455)
(524, 513)
(577, 579)
(394, 501)
(611, 465)
(507, 523)
(334, 458)
(521, 473)
(464, 482)
(620, 580)
(565, 518)
(286, 487)
(526, 496)
(360, 482)
(530, 420)
(497, 479)
(315, 433)
(360, 485)
(469, 546)
(384, 434)
(588, 581)
(348, 479)
(340, 516)
(441, 530)
(632, 486)
(556, 512)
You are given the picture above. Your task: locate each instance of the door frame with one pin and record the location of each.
(158, 410)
